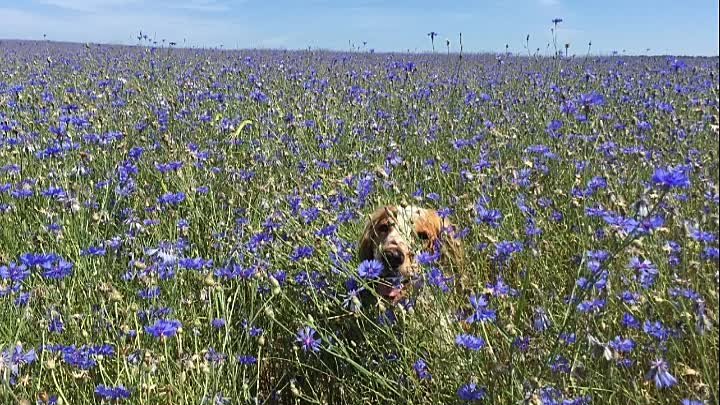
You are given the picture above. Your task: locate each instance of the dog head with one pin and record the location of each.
(395, 236)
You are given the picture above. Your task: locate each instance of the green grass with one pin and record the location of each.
(361, 360)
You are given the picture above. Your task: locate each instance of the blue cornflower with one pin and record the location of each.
(589, 306)
(630, 297)
(630, 322)
(16, 357)
(421, 370)
(471, 392)
(500, 289)
(541, 321)
(710, 253)
(149, 293)
(660, 375)
(370, 269)
(670, 177)
(79, 357)
(522, 343)
(14, 273)
(252, 331)
(554, 126)
(309, 215)
(258, 96)
(560, 365)
(426, 258)
(647, 272)
(302, 252)
(164, 328)
(246, 359)
(622, 345)
(218, 323)
(470, 342)
(482, 313)
(505, 249)
(112, 393)
(488, 216)
(93, 251)
(56, 325)
(656, 330)
(215, 357)
(436, 278)
(306, 339)
(171, 198)
(568, 338)
(22, 299)
(701, 236)
(327, 231)
(678, 64)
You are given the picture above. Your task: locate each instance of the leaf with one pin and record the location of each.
(241, 127)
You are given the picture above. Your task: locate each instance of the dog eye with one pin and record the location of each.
(383, 228)
(423, 235)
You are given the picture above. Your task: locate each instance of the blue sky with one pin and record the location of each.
(666, 27)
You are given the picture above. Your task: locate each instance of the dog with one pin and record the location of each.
(396, 236)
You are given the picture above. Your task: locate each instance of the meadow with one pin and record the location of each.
(180, 226)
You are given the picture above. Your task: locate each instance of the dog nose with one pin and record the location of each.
(395, 258)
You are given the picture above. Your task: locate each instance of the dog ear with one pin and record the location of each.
(365, 245)
(453, 253)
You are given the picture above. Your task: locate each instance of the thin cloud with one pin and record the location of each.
(88, 5)
(203, 5)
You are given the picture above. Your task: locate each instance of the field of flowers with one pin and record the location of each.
(180, 227)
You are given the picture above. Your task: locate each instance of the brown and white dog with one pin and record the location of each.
(395, 235)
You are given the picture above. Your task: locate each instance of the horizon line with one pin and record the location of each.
(222, 48)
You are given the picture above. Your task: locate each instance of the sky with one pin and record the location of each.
(663, 26)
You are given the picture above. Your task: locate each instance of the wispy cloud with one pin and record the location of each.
(203, 5)
(88, 5)
(121, 26)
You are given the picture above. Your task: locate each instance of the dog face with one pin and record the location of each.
(395, 236)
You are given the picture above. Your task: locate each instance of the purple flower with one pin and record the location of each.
(470, 342)
(622, 345)
(370, 269)
(421, 370)
(171, 198)
(246, 359)
(302, 252)
(660, 375)
(471, 393)
(670, 177)
(436, 278)
(541, 321)
(505, 249)
(482, 313)
(16, 357)
(94, 251)
(656, 330)
(112, 393)
(630, 322)
(306, 339)
(647, 272)
(164, 328)
(500, 289)
(522, 343)
(592, 99)
(14, 273)
(426, 258)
